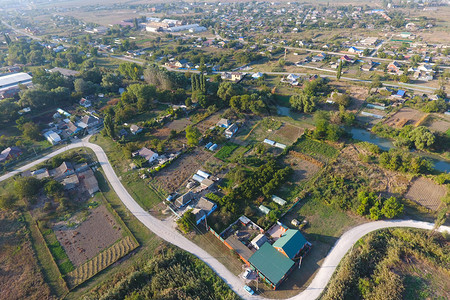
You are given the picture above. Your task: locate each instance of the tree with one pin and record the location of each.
(27, 187)
(192, 135)
(422, 137)
(31, 131)
(111, 82)
(228, 89)
(303, 102)
(339, 71)
(391, 208)
(375, 212)
(187, 221)
(7, 201)
(109, 128)
(84, 87)
(54, 189)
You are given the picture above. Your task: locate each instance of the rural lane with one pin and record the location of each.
(165, 231)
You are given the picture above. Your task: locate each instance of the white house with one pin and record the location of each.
(147, 154)
(52, 137)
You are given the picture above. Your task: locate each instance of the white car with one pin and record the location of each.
(247, 273)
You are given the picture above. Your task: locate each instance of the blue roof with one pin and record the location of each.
(401, 93)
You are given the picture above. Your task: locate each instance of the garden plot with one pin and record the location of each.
(405, 116)
(287, 134)
(99, 231)
(172, 177)
(438, 124)
(370, 116)
(426, 193)
(179, 125)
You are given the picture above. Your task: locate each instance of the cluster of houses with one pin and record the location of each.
(71, 176)
(230, 128)
(273, 254)
(63, 127)
(170, 25)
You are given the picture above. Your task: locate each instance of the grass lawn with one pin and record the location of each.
(139, 189)
(226, 151)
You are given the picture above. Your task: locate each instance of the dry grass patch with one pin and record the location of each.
(427, 193)
(405, 116)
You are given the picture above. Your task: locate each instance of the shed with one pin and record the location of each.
(259, 240)
(198, 178)
(203, 174)
(270, 142)
(264, 209)
(278, 200)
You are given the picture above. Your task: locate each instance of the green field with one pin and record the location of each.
(316, 149)
(226, 151)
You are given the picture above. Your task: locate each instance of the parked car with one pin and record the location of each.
(248, 289)
(247, 273)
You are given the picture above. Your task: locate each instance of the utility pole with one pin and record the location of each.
(285, 51)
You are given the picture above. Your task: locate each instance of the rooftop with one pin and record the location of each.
(271, 263)
(291, 242)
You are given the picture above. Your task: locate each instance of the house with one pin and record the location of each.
(257, 75)
(135, 129)
(319, 57)
(271, 265)
(355, 50)
(65, 169)
(52, 137)
(85, 103)
(72, 129)
(10, 153)
(123, 132)
(89, 122)
(146, 153)
(41, 173)
(206, 183)
(70, 182)
(367, 66)
(9, 83)
(394, 67)
(203, 209)
(346, 58)
(225, 123)
(88, 181)
(231, 130)
(181, 63)
(400, 94)
(233, 76)
(291, 243)
(259, 240)
(65, 72)
(184, 199)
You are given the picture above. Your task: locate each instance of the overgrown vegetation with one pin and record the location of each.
(385, 265)
(169, 274)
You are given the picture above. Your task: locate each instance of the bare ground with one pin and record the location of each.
(406, 113)
(82, 243)
(302, 169)
(173, 176)
(426, 193)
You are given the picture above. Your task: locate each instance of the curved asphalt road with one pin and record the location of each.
(165, 231)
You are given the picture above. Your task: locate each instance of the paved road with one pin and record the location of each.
(166, 231)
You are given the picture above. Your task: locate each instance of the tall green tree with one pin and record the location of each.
(109, 126)
(339, 71)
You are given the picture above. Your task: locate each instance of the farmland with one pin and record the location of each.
(226, 151)
(426, 193)
(405, 116)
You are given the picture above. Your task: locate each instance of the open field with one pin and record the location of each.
(20, 275)
(405, 116)
(83, 242)
(226, 151)
(438, 123)
(303, 169)
(179, 125)
(426, 193)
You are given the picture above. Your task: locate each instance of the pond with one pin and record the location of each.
(386, 144)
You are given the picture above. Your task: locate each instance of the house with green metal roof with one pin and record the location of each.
(271, 265)
(291, 243)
